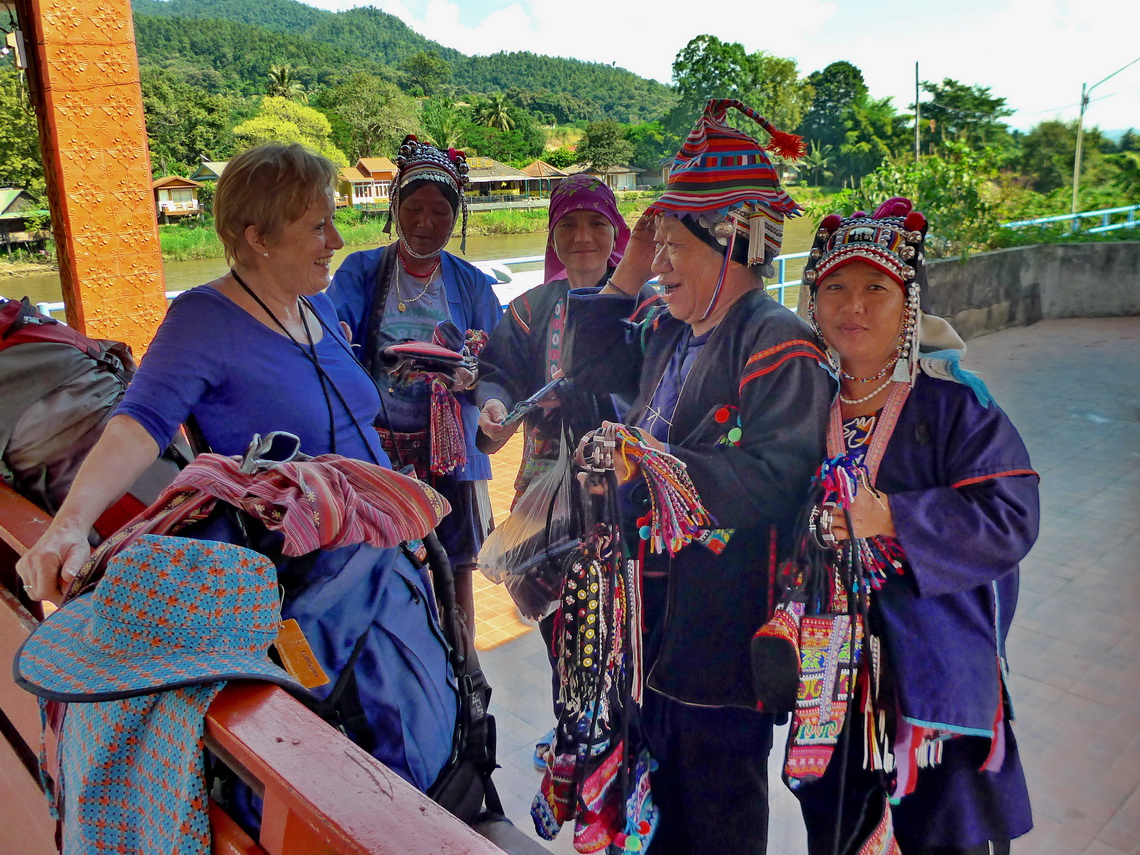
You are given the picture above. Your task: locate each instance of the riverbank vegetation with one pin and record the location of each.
(353, 83)
(196, 238)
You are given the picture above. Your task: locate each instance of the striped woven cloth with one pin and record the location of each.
(323, 503)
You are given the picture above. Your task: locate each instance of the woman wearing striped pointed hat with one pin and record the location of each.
(733, 385)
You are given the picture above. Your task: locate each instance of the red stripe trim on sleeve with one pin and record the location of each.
(798, 342)
(968, 481)
(519, 320)
(642, 305)
(768, 369)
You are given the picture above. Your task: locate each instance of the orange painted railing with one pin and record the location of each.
(322, 794)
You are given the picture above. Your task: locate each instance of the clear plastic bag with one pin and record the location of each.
(527, 550)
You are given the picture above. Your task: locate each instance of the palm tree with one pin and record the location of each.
(283, 83)
(441, 122)
(493, 112)
(816, 161)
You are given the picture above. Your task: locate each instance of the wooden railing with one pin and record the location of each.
(322, 794)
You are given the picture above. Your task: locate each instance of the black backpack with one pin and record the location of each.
(464, 786)
(58, 390)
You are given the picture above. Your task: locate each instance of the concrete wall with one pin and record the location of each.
(1014, 287)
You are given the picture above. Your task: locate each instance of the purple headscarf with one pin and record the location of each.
(583, 193)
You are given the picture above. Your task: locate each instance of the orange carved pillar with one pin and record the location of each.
(84, 81)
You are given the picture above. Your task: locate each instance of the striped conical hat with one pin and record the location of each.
(723, 173)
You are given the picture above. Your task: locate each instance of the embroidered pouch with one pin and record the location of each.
(881, 840)
(830, 646)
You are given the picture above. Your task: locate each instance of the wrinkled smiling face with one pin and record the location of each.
(859, 310)
(303, 249)
(686, 267)
(426, 219)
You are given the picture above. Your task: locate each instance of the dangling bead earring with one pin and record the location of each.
(908, 341)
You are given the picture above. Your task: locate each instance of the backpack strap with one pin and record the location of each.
(464, 785)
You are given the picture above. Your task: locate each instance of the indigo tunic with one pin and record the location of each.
(473, 306)
(761, 372)
(213, 360)
(964, 499)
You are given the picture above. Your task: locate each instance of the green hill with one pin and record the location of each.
(229, 45)
(229, 57)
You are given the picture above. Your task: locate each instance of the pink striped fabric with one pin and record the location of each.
(322, 503)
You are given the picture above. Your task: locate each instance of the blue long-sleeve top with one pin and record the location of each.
(473, 306)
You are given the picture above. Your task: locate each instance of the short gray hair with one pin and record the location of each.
(267, 186)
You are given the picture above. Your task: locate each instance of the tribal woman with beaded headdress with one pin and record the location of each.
(413, 290)
(941, 505)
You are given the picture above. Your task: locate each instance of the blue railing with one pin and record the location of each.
(780, 286)
(1105, 215)
(525, 280)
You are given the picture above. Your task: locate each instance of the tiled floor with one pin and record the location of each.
(496, 618)
(1073, 389)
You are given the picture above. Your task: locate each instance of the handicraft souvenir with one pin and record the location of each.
(436, 362)
(599, 775)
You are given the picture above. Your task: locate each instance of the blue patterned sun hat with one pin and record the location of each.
(169, 612)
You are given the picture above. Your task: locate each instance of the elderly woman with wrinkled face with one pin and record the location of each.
(735, 387)
(413, 290)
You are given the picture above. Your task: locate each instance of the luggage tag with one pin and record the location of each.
(297, 656)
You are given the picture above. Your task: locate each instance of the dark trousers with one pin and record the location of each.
(711, 782)
(546, 630)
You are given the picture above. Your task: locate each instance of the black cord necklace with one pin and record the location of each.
(310, 353)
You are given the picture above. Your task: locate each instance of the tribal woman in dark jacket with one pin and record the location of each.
(733, 385)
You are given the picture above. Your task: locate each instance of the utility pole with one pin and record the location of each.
(1085, 92)
(917, 111)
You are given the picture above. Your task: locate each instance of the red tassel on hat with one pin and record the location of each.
(787, 145)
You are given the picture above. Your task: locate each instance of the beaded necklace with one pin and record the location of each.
(866, 398)
(886, 369)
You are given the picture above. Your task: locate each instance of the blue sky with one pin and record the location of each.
(1034, 53)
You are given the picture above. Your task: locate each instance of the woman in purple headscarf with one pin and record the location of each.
(587, 236)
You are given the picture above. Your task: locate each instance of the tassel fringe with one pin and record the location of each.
(787, 145)
(447, 447)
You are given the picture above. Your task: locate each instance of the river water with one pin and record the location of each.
(181, 275)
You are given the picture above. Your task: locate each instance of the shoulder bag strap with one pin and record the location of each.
(382, 285)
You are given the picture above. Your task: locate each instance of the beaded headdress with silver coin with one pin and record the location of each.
(892, 239)
(418, 161)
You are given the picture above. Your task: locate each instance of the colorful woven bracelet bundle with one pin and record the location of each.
(841, 478)
(676, 515)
